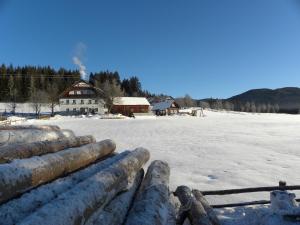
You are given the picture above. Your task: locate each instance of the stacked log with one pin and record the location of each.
(78, 204)
(32, 135)
(22, 127)
(27, 150)
(152, 204)
(209, 210)
(22, 175)
(115, 212)
(195, 208)
(17, 209)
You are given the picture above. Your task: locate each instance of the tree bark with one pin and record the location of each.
(209, 210)
(152, 205)
(22, 175)
(27, 150)
(77, 205)
(33, 135)
(191, 208)
(115, 212)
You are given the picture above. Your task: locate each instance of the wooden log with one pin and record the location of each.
(151, 205)
(209, 210)
(115, 212)
(33, 135)
(18, 209)
(22, 175)
(191, 208)
(27, 150)
(74, 207)
(22, 127)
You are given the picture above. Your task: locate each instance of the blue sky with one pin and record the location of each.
(206, 48)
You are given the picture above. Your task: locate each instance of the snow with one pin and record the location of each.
(219, 151)
(162, 105)
(131, 101)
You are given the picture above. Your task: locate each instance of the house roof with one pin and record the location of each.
(78, 86)
(163, 105)
(131, 101)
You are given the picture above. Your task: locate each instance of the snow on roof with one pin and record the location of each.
(131, 101)
(162, 105)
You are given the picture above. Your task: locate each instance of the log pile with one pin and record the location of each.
(50, 176)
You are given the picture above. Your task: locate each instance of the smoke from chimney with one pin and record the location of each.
(77, 59)
(82, 68)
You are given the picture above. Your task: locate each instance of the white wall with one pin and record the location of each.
(71, 106)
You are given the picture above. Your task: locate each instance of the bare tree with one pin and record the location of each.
(252, 107)
(228, 106)
(52, 97)
(37, 99)
(277, 108)
(111, 90)
(204, 104)
(12, 105)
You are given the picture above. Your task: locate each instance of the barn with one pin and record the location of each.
(167, 107)
(129, 105)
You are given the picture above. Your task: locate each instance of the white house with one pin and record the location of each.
(81, 98)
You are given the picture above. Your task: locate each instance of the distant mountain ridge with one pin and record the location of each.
(288, 98)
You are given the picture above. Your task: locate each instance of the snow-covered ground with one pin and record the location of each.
(219, 151)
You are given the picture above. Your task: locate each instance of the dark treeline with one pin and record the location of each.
(18, 83)
(220, 104)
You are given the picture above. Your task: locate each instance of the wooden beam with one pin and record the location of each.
(250, 190)
(232, 205)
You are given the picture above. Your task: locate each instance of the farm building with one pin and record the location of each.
(82, 98)
(129, 105)
(168, 107)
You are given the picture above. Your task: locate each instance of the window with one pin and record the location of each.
(61, 101)
(96, 109)
(96, 101)
(90, 101)
(67, 109)
(71, 93)
(67, 102)
(78, 92)
(74, 109)
(74, 102)
(82, 101)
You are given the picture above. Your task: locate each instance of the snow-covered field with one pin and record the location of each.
(219, 151)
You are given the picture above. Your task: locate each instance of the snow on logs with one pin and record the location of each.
(152, 204)
(22, 127)
(22, 175)
(16, 210)
(78, 204)
(27, 150)
(9, 136)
